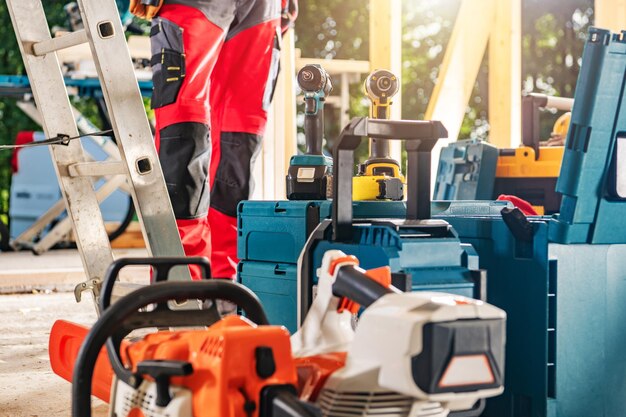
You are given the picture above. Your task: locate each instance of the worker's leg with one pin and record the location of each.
(185, 47)
(241, 91)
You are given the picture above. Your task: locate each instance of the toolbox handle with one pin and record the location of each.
(420, 136)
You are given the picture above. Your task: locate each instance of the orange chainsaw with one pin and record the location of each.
(237, 367)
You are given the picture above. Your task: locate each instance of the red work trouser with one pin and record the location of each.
(213, 83)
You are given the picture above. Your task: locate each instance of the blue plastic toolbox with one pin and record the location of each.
(467, 170)
(276, 231)
(276, 286)
(593, 207)
(565, 313)
(561, 279)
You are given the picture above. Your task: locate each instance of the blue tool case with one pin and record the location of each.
(592, 211)
(467, 170)
(275, 285)
(276, 231)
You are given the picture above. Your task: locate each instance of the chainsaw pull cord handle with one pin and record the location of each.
(316, 85)
(352, 283)
(123, 317)
(420, 136)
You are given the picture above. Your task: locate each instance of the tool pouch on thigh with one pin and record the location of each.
(168, 61)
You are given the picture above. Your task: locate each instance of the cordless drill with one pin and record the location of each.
(379, 177)
(309, 175)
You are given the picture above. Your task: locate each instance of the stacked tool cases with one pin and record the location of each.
(561, 278)
(591, 182)
(270, 238)
(465, 172)
(475, 170)
(423, 255)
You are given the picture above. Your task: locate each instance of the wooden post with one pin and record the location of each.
(386, 50)
(610, 14)
(459, 69)
(505, 75)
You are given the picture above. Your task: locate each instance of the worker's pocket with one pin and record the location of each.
(272, 78)
(168, 61)
(233, 179)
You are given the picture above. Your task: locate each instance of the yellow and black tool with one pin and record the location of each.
(379, 177)
(532, 170)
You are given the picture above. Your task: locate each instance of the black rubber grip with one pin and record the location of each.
(352, 283)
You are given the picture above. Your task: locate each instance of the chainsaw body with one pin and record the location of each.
(411, 354)
(234, 364)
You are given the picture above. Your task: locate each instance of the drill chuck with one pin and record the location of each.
(381, 85)
(313, 79)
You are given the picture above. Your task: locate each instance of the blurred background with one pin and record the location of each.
(553, 33)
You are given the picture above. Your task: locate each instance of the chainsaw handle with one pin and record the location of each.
(420, 136)
(161, 268)
(123, 317)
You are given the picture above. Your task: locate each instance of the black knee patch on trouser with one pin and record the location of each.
(233, 182)
(185, 155)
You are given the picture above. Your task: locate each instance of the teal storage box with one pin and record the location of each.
(590, 211)
(276, 231)
(565, 315)
(467, 170)
(276, 286)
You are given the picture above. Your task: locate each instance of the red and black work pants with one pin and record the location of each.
(214, 73)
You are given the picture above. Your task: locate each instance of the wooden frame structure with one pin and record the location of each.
(481, 25)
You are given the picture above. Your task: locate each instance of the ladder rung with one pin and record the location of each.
(60, 42)
(96, 169)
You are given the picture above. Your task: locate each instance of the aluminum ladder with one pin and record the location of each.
(139, 162)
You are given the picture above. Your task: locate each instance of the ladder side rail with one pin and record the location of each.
(132, 130)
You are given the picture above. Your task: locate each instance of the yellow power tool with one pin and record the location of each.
(379, 177)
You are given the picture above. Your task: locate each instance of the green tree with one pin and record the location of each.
(552, 45)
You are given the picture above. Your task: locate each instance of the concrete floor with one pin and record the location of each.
(28, 388)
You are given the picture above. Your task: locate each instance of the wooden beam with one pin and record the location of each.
(386, 50)
(459, 69)
(288, 85)
(336, 66)
(461, 64)
(610, 14)
(505, 75)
